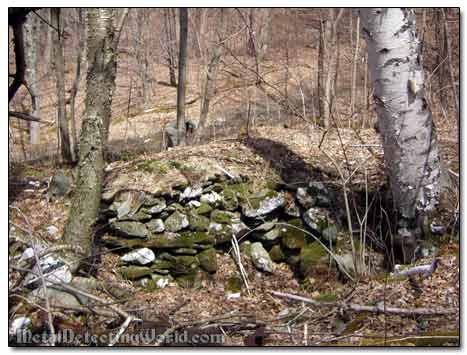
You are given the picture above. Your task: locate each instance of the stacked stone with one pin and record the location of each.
(175, 234)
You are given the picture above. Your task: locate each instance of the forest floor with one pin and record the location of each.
(294, 154)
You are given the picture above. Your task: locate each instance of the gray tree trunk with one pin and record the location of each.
(75, 87)
(31, 75)
(211, 73)
(170, 34)
(64, 134)
(181, 89)
(409, 139)
(86, 199)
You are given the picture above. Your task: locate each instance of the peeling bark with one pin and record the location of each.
(409, 138)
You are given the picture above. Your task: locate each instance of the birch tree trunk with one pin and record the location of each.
(64, 133)
(181, 90)
(30, 58)
(405, 122)
(86, 199)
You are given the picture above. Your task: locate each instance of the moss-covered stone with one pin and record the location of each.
(156, 225)
(187, 251)
(127, 203)
(208, 260)
(313, 255)
(134, 272)
(176, 222)
(161, 264)
(276, 254)
(261, 258)
(184, 264)
(262, 203)
(186, 239)
(292, 234)
(224, 217)
(203, 209)
(130, 229)
(272, 235)
(316, 219)
(198, 222)
(154, 205)
(229, 199)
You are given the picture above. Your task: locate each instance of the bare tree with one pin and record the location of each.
(328, 62)
(181, 89)
(62, 122)
(31, 75)
(170, 40)
(354, 65)
(409, 139)
(209, 82)
(75, 86)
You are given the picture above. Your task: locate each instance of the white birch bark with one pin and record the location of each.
(405, 121)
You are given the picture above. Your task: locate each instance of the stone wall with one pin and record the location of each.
(173, 231)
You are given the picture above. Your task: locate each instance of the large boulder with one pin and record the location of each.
(59, 185)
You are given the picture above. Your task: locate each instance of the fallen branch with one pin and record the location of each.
(426, 270)
(27, 117)
(372, 309)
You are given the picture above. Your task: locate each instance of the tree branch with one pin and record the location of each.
(372, 309)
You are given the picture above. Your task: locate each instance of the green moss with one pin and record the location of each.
(222, 217)
(175, 164)
(234, 284)
(208, 260)
(197, 222)
(203, 209)
(292, 234)
(229, 199)
(134, 272)
(312, 255)
(153, 166)
(276, 254)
